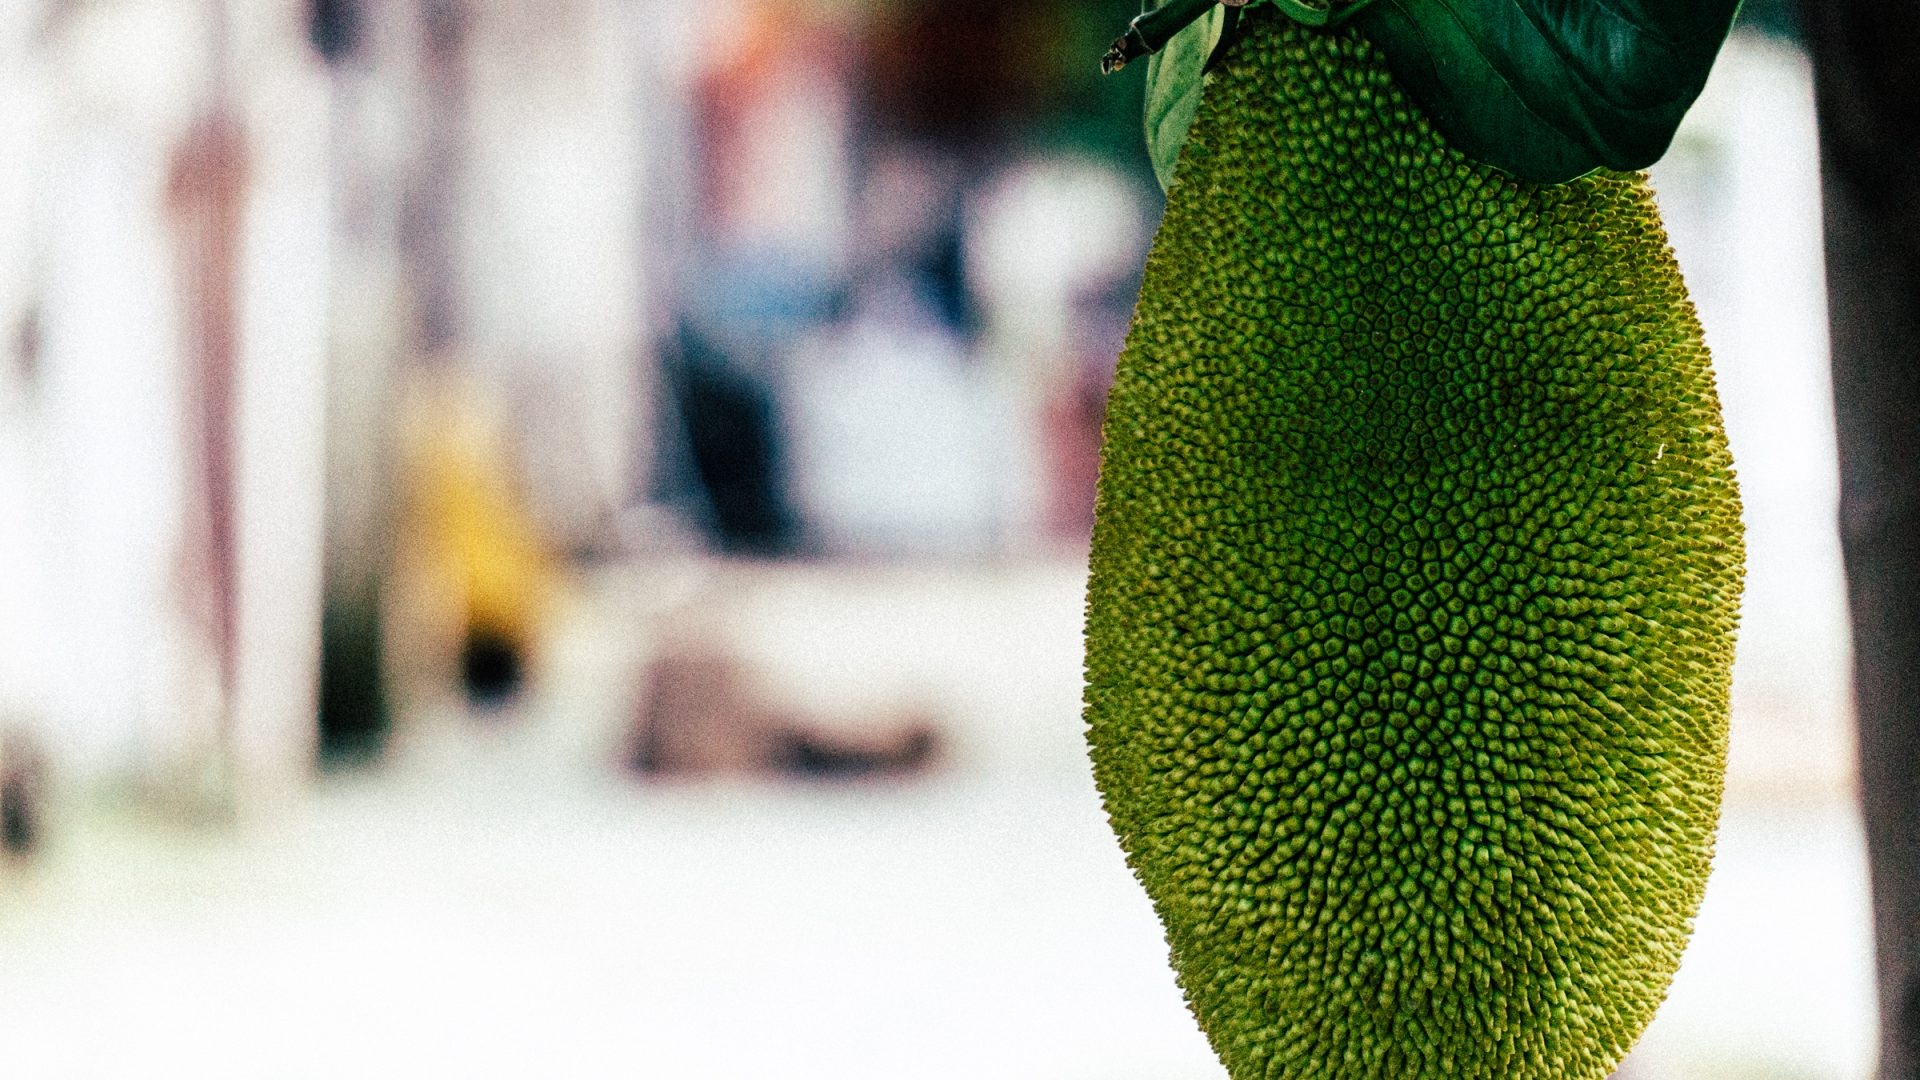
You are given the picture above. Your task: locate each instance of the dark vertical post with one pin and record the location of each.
(395, 260)
(1868, 89)
(353, 707)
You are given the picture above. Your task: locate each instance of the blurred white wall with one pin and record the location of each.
(23, 136)
(114, 667)
(99, 649)
(553, 252)
(281, 396)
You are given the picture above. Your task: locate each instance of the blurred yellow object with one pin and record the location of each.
(472, 554)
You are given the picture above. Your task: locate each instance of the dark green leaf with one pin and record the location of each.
(1175, 76)
(1549, 90)
(1320, 12)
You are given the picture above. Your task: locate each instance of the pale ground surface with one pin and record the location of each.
(503, 902)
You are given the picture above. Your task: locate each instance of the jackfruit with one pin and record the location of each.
(1414, 578)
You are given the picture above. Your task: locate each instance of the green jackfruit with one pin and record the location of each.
(1414, 579)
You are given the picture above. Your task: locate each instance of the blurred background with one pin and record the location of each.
(547, 537)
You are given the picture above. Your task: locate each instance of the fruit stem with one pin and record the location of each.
(1150, 31)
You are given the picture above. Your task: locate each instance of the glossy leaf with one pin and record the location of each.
(1320, 12)
(1175, 77)
(1174, 81)
(1549, 90)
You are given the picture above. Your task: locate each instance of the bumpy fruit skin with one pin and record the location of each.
(1414, 580)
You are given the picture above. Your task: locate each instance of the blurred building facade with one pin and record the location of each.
(774, 279)
(165, 268)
